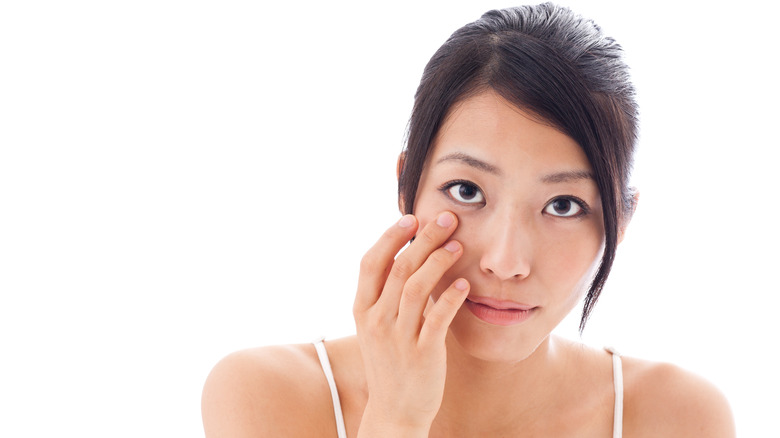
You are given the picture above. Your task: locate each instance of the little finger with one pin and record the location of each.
(438, 320)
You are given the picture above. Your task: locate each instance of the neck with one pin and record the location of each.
(484, 398)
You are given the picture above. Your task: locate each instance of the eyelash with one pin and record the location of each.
(584, 207)
(445, 188)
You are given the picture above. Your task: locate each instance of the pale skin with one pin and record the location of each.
(505, 210)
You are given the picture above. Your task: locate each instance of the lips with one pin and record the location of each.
(499, 312)
(499, 304)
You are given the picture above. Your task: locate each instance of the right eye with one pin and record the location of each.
(465, 192)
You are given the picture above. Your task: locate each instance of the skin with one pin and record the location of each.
(422, 363)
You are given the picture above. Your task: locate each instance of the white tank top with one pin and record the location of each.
(617, 375)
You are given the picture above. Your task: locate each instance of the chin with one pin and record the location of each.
(494, 343)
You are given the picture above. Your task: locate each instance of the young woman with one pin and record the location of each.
(514, 185)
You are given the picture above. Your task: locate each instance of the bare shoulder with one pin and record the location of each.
(665, 400)
(268, 391)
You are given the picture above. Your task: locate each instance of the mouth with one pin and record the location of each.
(499, 312)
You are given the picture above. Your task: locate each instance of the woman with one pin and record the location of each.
(514, 185)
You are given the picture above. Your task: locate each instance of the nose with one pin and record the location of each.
(508, 248)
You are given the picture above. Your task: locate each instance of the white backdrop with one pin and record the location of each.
(182, 179)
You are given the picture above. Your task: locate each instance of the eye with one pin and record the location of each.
(464, 192)
(566, 207)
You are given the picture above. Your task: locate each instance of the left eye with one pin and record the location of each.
(466, 193)
(563, 207)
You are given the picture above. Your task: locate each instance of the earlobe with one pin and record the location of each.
(629, 213)
(621, 234)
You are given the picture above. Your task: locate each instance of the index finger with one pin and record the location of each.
(376, 263)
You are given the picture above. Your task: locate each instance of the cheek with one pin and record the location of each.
(574, 258)
(578, 250)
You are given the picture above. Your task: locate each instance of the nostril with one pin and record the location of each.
(506, 274)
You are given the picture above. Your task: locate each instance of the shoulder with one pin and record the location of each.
(265, 392)
(665, 400)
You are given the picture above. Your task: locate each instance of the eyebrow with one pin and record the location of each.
(552, 178)
(569, 176)
(471, 161)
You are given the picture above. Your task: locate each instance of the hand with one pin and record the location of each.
(403, 350)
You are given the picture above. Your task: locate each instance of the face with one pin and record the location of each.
(530, 223)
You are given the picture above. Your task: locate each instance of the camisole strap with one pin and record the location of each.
(334, 394)
(617, 376)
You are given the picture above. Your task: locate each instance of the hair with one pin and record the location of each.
(556, 65)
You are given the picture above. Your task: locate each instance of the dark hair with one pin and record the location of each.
(555, 64)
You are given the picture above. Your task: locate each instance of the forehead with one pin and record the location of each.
(490, 128)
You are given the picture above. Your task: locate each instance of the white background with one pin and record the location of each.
(182, 179)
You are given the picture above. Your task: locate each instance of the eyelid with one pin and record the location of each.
(450, 184)
(582, 204)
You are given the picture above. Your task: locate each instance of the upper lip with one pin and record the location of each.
(499, 304)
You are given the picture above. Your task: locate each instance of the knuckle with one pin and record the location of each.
(435, 321)
(448, 299)
(372, 328)
(368, 263)
(357, 312)
(429, 235)
(441, 257)
(402, 267)
(414, 289)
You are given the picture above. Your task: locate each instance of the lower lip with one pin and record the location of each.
(495, 316)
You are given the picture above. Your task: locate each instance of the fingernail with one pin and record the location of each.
(452, 246)
(461, 284)
(445, 220)
(406, 221)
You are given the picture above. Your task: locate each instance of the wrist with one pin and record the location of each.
(380, 423)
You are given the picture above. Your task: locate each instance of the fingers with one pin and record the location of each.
(402, 368)
(419, 286)
(422, 250)
(438, 320)
(376, 263)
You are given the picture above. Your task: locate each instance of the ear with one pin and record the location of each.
(398, 169)
(628, 215)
